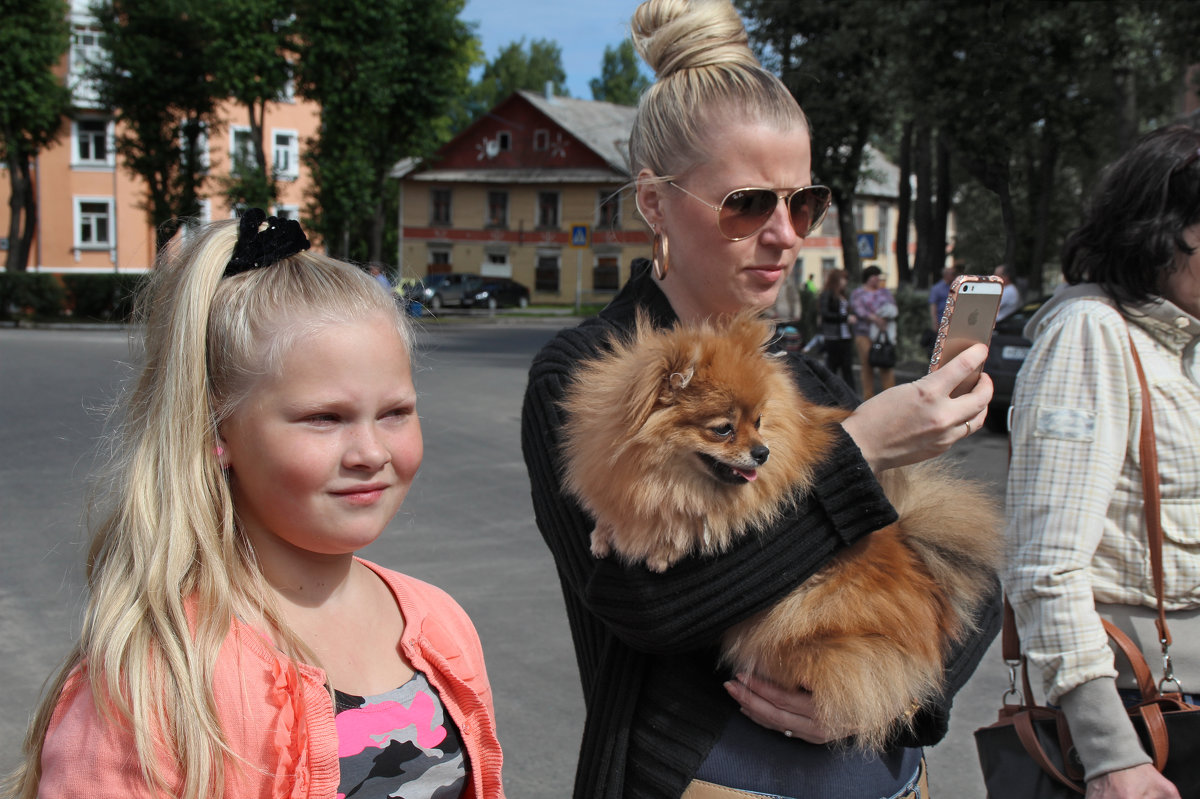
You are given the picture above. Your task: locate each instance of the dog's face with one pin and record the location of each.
(712, 400)
(717, 423)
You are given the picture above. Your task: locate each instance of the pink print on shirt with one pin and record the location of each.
(375, 725)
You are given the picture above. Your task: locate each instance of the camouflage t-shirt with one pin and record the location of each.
(398, 744)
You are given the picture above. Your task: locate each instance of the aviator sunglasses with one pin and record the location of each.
(744, 212)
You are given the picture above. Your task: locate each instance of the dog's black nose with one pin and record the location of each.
(760, 454)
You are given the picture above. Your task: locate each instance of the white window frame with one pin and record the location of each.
(292, 150)
(77, 159)
(541, 140)
(284, 211)
(110, 217)
(234, 130)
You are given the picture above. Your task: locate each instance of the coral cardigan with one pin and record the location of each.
(284, 727)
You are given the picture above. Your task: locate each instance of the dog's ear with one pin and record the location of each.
(659, 371)
(751, 326)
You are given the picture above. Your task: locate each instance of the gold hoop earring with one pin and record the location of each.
(661, 265)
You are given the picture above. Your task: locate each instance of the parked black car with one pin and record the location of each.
(496, 292)
(1006, 353)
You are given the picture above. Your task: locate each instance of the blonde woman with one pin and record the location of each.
(233, 644)
(721, 153)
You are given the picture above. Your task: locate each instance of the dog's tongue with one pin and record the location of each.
(749, 475)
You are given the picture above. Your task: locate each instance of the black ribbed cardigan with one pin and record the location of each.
(646, 643)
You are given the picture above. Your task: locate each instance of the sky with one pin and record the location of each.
(581, 28)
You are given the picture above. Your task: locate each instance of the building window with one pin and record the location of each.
(91, 143)
(288, 212)
(286, 154)
(497, 209)
(606, 274)
(609, 216)
(884, 242)
(93, 223)
(204, 161)
(860, 214)
(495, 263)
(439, 207)
(241, 149)
(541, 140)
(828, 265)
(547, 212)
(504, 140)
(439, 259)
(86, 52)
(546, 275)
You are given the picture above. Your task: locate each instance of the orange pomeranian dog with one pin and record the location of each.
(680, 441)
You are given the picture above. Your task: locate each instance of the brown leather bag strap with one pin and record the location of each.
(1152, 714)
(1137, 661)
(1151, 498)
(1023, 723)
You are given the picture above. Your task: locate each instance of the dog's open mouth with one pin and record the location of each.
(727, 473)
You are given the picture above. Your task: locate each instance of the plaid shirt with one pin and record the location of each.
(1076, 527)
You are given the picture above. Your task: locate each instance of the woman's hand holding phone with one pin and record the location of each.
(935, 417)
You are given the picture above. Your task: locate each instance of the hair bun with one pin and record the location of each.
(674, 35)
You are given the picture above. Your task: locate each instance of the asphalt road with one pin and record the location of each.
(466, 526)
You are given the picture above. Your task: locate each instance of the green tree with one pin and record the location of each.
(156, 79)
(621, 80)
(252, 67)
(835, 60)
(34, 37)
(386, 74)
(1032, 99)
(516, 67)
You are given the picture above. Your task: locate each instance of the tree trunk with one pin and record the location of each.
(923, 209)
(18, 257)
(31, 214)
(941, 216)
(850, 259)
(1009, 217)
(904, 204)
(1044, 188)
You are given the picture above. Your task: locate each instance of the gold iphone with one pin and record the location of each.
(968, 319)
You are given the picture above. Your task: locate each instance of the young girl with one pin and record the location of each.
(233, 645)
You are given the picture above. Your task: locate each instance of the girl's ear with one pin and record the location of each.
(649, 198)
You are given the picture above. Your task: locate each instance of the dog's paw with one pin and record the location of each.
(600, 545)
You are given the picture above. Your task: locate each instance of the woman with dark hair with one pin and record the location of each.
(1077, 526)
(835, 325)
(875, 312)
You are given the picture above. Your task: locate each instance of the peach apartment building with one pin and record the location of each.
(89, 214)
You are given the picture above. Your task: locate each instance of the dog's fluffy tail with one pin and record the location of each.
(956, 527)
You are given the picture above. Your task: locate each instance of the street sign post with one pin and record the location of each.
(579, 240)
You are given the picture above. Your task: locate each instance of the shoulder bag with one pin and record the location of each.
(1028, 752)
(883, 352)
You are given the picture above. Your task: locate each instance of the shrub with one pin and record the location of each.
(31, 294)
(103, 297)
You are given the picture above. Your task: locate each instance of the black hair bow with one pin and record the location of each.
(258, 248)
